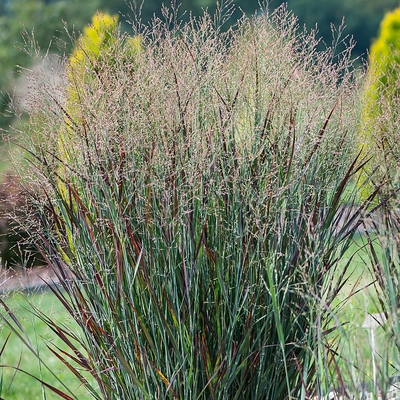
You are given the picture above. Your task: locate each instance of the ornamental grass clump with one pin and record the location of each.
(199, 224)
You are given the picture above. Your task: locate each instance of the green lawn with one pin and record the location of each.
(361, 300)
(22, 386)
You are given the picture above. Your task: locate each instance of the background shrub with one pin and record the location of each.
(380, 119)
(16, 249)
(96, 50)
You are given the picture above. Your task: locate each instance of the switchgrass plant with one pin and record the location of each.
(196, 216)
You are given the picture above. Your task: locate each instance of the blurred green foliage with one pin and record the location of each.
(362, 18)
(26, 25)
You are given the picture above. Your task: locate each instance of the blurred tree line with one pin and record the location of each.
(44, 18)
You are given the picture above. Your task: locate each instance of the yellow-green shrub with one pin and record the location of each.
(100, 46)
(94, 44)
(380, 117)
